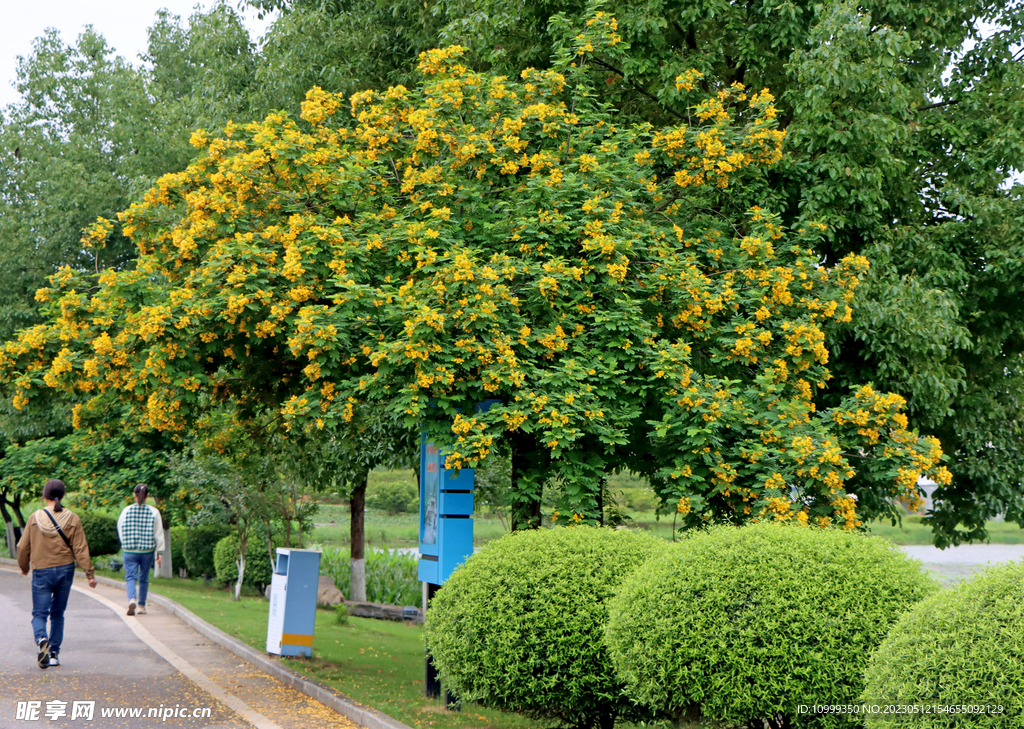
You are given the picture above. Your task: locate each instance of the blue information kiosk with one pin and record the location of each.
(446, 534)
(446, 516)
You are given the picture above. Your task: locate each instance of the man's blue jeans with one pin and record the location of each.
(50, 590)
(136, 569)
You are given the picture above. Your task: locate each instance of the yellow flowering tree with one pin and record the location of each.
(481, 238)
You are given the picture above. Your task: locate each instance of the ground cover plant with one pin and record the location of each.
(519, 625)
(743, 625)
(962, 649)
(391, 577)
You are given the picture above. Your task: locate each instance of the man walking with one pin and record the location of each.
(140, 528)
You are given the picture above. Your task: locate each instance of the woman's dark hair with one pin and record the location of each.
(54, 489)
(141, 493)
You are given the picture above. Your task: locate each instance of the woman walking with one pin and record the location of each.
(53, 541)
(141, 529)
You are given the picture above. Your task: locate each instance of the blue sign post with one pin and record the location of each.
(446, 531)
(446, 535)
(446, 516)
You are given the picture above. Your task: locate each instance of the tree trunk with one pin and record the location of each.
(243, 540)
(3, 506)
(166, 569)
(8, 526)
(12, 547)
(270, 546)
(16, 505)
(357, 581)
(526, 497)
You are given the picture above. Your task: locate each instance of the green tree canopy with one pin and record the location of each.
(476, 237)
(90, 133)
(904, 136)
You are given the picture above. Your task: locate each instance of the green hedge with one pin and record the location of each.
(519, 626)
(746, 624)
(394, 497)
(178, 536)
(199, 546)
(964, 647)
(258, 567)
(638, 498)
(101, 533)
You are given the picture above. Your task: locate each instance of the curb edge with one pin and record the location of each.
(364, 716)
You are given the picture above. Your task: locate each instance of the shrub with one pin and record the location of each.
(340, 614)
(392, 578)
(519, 625)
(101, 533)
(258, 567)
(638, 498)
(178, 536)
(199, 545)
(746, 624)
(964, 646)
(394, 497)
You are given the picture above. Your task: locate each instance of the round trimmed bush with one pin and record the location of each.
(964, 647)
(258, 568)
(199, 546)
(746, 624)
(101, 534)
(519, 625)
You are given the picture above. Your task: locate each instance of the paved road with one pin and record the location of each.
(955, 564)
(972, 554)
(104, 661)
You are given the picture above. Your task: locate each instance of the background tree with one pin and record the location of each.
(371, 439)
(903, 135)
(478, 238)
(341, 47)
(89, 134)
(234, 467)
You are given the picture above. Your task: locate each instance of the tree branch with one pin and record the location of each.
(640, 89)
(937, 104)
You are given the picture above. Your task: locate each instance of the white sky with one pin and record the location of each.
(122, 22)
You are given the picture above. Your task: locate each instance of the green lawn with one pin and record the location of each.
(633, 497)
(912, 531)
(376, 662)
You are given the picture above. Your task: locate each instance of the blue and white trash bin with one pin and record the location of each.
(293, 590)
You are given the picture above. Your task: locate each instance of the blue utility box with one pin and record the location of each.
(446, 516)
(293, 590)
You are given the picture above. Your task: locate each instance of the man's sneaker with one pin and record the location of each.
(140, 610)
(43, 659)
(54, 661)
(131, 608)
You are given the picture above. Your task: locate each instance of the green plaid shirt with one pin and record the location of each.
(137, 529)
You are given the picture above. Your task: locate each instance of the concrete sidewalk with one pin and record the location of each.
(152, 661)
